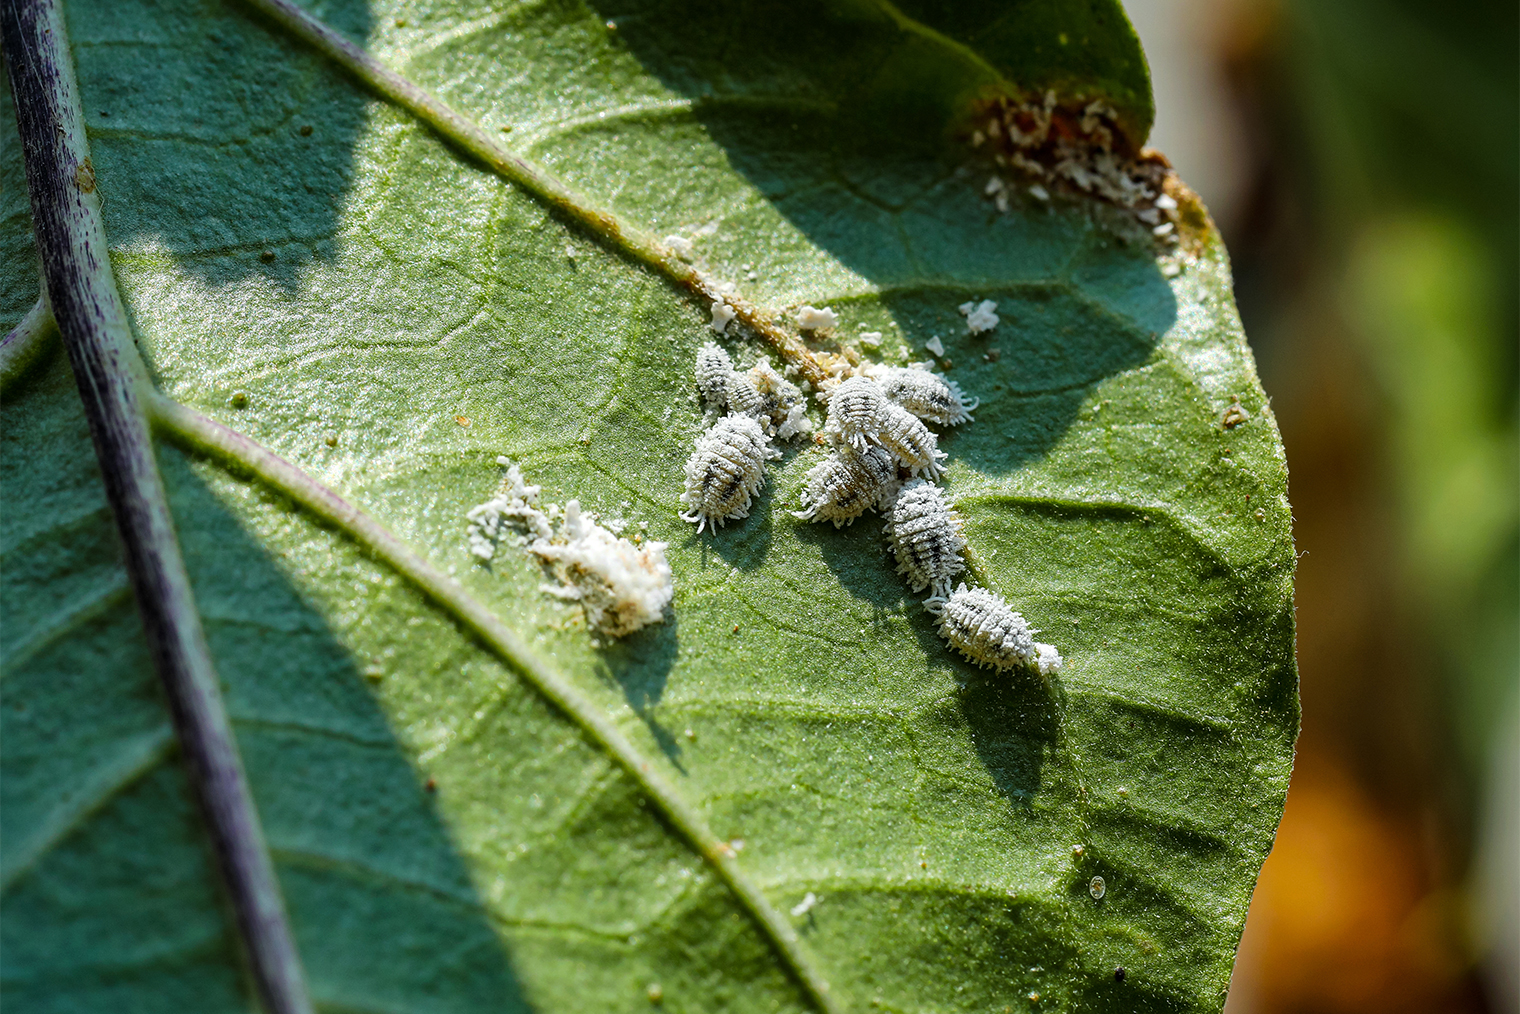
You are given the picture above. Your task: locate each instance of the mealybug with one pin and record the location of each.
(784, 402)
(725, 471)
(906, 436)
(925, 536)
(846, 484)
(743, 397)
(981, 626)
(713, 370)
(856, 412)
(927, 395)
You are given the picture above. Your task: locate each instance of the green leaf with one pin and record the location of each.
(393, 316)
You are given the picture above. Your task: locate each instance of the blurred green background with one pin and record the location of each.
(1362, 158)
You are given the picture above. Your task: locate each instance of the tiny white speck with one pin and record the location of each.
(1163, 228)
(804, 906)
(1165, 203)
(1039, 193)
(871, 338)
(935, 345)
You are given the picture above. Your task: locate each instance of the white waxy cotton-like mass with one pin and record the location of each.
(811, 318)
(981, 316)
(722, 316)
(621, 586)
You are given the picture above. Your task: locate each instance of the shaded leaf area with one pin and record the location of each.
(396, 318)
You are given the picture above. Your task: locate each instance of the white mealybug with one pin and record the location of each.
(927, 395)
(785, 404)
(984, 628)
(744, 398)
(925, 536)
(846, 484)
(713, 369)
(857, 410)
(906, 436)
(725, 471)
(981, 626)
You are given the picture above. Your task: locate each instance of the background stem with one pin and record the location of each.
(92, 321)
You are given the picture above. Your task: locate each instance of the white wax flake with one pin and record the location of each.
(1163, 228)
(804, 906)
(935, 345)
(870, 339)
(1165, 203)
(1039, 193)
(681, 246)
(994, 186)
(622, 587)
(811, 318)
(980, 316)
(722, 316)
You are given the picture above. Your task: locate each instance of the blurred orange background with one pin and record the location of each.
(1362, 159)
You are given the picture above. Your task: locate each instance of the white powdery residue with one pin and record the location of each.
(871, 339)
(722, 316)
(682, 246)
(1047, 658)
(804, 906)
(621, 586)
(935, 345)
(811, 318)
(980, 316)
(516, 500)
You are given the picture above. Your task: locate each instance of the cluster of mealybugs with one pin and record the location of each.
(746, 411)
(886, 458)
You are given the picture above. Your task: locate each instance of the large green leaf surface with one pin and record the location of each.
(395, 316)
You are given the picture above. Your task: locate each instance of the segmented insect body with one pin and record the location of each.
(725, 471)
(744, 398)
(785, 404)
(906, 436)
(981, 626)
(713, 370)
(925, 536)
(927, 395)
(847, 483)
(856, 412)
